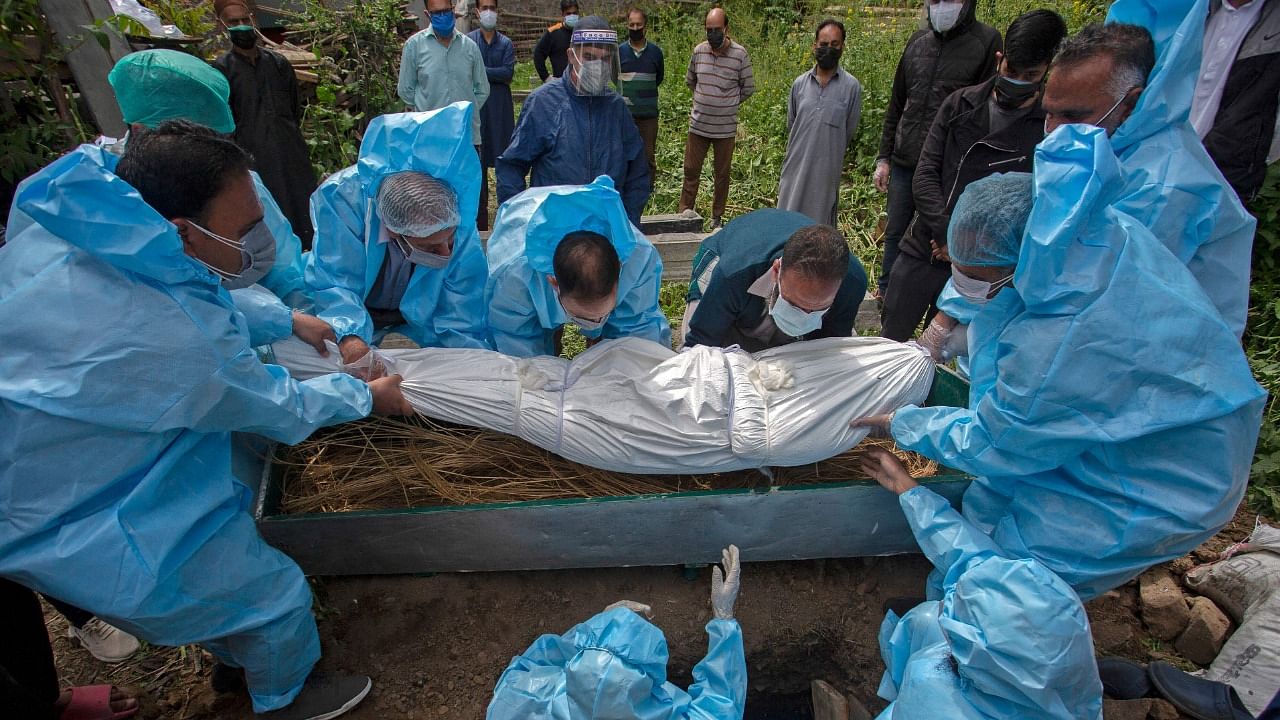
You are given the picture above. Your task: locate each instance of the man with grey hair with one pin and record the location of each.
(1118, 77)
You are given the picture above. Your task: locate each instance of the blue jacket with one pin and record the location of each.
(615, 666)
(524, 311)
(1112, 414)
(126, 369)
(567, 139)
(441, 307)
(1009, 639)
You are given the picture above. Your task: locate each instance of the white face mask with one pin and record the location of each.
(252, 247)
(593, 77)
(488, 19)
(974, 290)
(945, 15)
(792, 320)
(432, 261)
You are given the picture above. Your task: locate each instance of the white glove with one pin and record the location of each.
(933, 339)
(724, 586)
(957, 343)
(633, 606)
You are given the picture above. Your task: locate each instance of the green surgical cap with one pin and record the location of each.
(153, 86)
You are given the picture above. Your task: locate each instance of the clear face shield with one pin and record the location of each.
(593, 62)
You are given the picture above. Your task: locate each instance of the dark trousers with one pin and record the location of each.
(482, 210)
(901, 206)
(695, 154)
(911, 296)
(648, 128)
(73, 614)
(28, 677)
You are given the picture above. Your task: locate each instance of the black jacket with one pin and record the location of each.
(959, 150)
(553, 46)
(1246, 119)
(933, 66)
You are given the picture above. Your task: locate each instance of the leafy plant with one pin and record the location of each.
(1262, 342)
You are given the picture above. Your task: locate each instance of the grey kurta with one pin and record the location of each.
(820, 122)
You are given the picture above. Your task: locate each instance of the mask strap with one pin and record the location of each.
(234, 244)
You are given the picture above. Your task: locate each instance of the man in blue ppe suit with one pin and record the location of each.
(1112, 414)
(1135, 77)
(569, 255)
(396, 246)
(126, 369)
(1008, 638)
(575, 128)
(615, 666)
(153, 86)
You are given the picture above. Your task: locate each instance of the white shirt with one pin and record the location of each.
(1223, 35)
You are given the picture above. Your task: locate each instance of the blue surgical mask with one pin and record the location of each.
(793, 321)
(423, 258)
(587, 324)
(261, 247)
(974, 290)
(488, 19)
(571, 21)
(442, 23)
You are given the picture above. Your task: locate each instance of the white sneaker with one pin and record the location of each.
(108, 643)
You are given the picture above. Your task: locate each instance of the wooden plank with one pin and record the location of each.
(655, 224)
(677, 251)
(89, 62)
(827, 703)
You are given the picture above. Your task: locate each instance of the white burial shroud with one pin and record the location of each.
(631, 405)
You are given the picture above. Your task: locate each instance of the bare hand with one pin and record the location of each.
(387, 398)
(887, 470)
(879, 424)
(881, 176)
(313, 331)
(354, 350)
(940, 252)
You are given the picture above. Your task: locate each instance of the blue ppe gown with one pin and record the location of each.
(524, 310)
(126, 368)
(441, 308)
(1009, 639)
(615, 666)
(1112, 414)
(563, 138)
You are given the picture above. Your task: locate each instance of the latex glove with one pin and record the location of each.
(387, 397)
(724, 585)
(957, 344)
(887, 470)
(633, 606)
(313, 331)
(879, 424)
(937, 337)
(881, 176)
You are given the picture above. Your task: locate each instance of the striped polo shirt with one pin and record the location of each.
(720, 82)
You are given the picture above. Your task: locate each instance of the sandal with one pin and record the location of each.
(93, 702)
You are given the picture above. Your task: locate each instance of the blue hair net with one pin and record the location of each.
(987, 223)
(153, 86)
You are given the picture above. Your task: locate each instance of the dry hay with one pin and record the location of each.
(384, 463)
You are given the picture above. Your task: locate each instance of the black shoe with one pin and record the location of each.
(901, 605)
(716, 224)
(1201, 699)
(1123, 679)
(324, 696)
(226, 679)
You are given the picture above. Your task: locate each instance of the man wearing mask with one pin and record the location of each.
(822, 117)
(440, 66)
(642, 70)
(720, 78)
(268, 115)
(953, 51)
(497, 117)
(979, 130)
(576, 128)
(554, 43)
(769, 278)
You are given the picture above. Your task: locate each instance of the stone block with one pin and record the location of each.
(1206, 632)
(1164, 607)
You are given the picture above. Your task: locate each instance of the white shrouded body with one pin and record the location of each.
(631, 405)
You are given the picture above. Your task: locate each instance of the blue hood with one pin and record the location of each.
(79, 199)
(437, 142)
(532, 223)
(1177, 26)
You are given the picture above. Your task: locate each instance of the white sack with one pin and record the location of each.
(631, 405)
(1247, 586)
